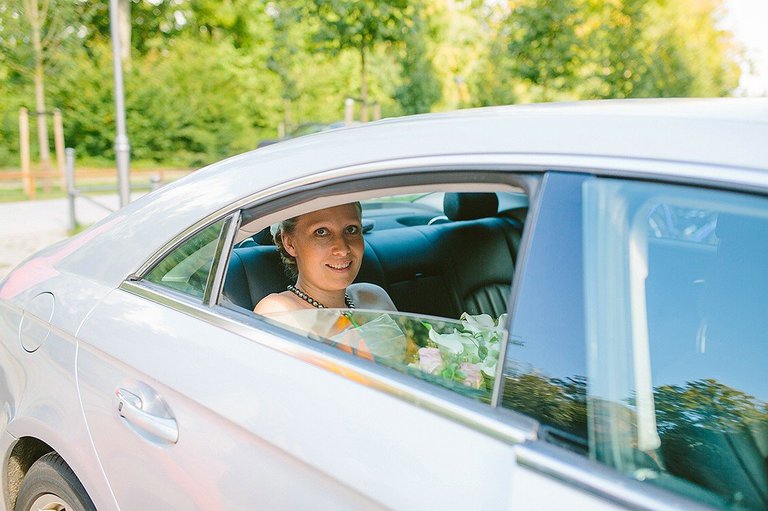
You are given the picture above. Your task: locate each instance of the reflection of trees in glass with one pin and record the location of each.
(711, 436)
(559, 403)
(706, 403)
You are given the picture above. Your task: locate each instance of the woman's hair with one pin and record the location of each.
(288, 226)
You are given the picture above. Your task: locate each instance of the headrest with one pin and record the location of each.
(264, 237)
(470, 206)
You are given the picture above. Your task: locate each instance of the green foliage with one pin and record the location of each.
(83, 91)
(207, 78)
(420, 88)
(543, 46)
(587, 49)
(706, 403)
(357, 24)
(201, 98)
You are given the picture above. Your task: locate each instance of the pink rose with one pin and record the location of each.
(430, 360)
(472, 375)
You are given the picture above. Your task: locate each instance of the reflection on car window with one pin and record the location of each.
(682, 223)
(659, 370)
(459, 355)
(187, 267)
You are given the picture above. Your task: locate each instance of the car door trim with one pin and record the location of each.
(216, 277)
(600, 480)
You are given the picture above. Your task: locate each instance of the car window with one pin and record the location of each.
(671, 388)
(448, 283)
(187, 267)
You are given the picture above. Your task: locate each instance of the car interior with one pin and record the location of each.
(440, 261)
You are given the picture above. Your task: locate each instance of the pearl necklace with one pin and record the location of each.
(304, 296)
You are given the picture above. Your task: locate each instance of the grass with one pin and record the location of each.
(78, 229)
(12, 190)
(17, 194)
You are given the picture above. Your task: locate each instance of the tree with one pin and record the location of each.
(543, 45)
(360, 25)
(284, 53)
(587, 49)
(420, 88)
(35, 36)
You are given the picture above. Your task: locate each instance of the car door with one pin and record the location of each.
(640, 338)
(199, 407)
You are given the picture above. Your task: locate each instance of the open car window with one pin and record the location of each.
(445, 259)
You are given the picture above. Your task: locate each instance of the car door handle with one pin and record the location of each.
(130, 407)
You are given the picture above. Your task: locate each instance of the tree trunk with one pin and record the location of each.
(363, 87)
(33, 15)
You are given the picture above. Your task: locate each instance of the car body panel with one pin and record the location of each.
(256, 418)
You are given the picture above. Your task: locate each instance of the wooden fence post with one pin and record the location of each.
(349, 111)
(58, 141)
(28, 181)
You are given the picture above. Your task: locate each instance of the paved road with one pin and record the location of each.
(26, 227)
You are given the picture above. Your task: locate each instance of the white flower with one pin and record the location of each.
(450, 343)
(478, 323)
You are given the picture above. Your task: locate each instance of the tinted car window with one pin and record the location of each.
(187, 267)
(674, 333)
(545, 370)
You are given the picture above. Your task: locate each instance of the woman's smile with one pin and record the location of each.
(340, 267)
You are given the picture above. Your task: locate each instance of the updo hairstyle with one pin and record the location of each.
(289, 226)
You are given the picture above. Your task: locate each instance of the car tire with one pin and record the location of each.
(50, 484)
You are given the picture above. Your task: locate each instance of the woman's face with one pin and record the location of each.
(328, 247)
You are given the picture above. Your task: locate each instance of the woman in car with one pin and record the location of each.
(323, 250)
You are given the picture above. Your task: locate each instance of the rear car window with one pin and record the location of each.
(187, 267)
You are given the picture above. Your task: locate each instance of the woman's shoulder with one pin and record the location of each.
(370, 296)
(275, 302)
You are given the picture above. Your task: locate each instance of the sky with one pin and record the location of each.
(748, 20)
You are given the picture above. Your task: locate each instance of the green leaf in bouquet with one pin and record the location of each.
(449, 343)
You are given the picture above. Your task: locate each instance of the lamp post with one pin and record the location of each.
(122, 145)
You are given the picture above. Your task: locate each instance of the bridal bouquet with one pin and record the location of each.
(468, 354)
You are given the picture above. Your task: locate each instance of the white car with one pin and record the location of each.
(582, 295)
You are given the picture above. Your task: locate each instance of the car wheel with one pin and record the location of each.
(51, 485)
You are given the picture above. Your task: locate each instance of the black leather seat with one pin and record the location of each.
(254, 272)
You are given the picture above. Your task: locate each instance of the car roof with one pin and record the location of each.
(721, 132)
